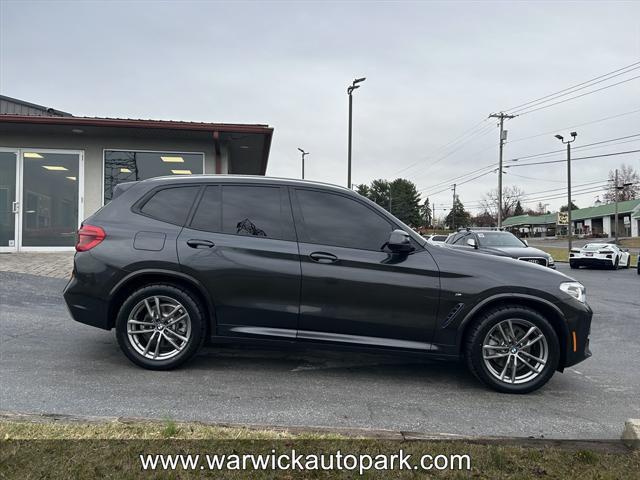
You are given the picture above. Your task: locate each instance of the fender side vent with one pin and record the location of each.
(452, 314)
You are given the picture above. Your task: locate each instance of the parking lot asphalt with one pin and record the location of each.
(50, 364)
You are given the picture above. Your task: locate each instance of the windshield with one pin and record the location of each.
(499, 239)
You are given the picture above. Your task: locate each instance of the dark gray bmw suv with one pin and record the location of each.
(173, 262)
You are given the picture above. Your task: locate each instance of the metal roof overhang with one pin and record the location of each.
(142, 127)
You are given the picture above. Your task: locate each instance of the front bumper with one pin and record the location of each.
(579, 326)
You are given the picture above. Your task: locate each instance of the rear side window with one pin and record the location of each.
(170, 205)
(256, 211)
(330, 219)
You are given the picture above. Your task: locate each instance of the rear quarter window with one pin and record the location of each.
(171, 204)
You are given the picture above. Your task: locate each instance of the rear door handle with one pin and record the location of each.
(323, 257)
(194, 243)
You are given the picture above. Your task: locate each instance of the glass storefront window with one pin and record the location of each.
(128, 166)
(50, 199)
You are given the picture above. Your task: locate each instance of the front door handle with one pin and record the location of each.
(195, 243)
(15, 207)
(323, 257)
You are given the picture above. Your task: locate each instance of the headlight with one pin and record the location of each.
(551, 260)
(576, 290)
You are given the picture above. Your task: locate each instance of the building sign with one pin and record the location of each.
(563, 218)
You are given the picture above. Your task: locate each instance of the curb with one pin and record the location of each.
(605, 446)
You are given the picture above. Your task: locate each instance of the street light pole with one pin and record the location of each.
(570, 203)
(304, 154)
(350, 90)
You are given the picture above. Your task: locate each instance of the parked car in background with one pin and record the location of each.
(605, 255)
(496, 242)
(436, 239)
(173, 262)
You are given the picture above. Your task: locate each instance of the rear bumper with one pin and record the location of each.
(591, 262)
(84, 308)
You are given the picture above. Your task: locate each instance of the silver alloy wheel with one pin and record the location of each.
(515, 351)
(159, 327)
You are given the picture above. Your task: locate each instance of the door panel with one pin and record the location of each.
(369, 294)
(241, 246)
(9, 205)
(352, 290)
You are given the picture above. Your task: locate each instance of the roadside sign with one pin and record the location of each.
(563, 218)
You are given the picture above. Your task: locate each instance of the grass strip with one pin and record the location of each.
(111, 450)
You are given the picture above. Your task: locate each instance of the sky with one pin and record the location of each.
(434, 70)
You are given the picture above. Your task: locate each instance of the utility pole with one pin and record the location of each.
(453, 209)
(304, 154)
(350, 90)
(617, 198)
(570, 202)
(615, 223)
(503, 138)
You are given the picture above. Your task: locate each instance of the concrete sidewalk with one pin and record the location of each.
(58, 265)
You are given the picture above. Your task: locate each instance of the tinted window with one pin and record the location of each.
(462, 239)
(170, 204)
(208, 216)
(330, 219)
(121, 166)
(255, 211)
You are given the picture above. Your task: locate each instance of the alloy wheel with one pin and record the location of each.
(515, 351)
(159, 327)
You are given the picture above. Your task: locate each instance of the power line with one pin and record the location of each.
(578, 158)
(551, 132)
(578, 96)
(574, 88)
(470, 131)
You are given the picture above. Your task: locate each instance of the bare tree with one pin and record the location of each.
(510, 198)
(626, 175)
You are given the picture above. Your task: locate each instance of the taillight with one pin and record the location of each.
(88, 237)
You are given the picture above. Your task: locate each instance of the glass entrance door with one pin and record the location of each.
(51, 200)
(9, 205)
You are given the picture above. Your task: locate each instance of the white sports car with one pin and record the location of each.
(599, 255)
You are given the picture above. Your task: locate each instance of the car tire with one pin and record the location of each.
(177, 337)
(616, 264)
(573, 265)
(522, 318)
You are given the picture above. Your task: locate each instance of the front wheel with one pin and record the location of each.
(160, 326)
(512, 349)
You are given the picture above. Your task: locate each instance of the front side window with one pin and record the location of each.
(170, 205)
(128, 166)
(331, 219)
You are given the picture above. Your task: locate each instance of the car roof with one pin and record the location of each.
(598, 245)
(257, 179)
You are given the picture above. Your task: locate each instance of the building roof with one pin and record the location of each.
(135, 123)
(15, 106)
(606, 210)
(547, 219)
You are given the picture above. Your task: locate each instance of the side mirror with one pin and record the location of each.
(472, 243)
(399, 242)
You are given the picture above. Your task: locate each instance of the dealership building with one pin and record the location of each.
(598, 221)
(56, 168)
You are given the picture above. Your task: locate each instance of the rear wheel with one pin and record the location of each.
(573, 265)
(160, 326)
(616, 263)
(512, 349)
